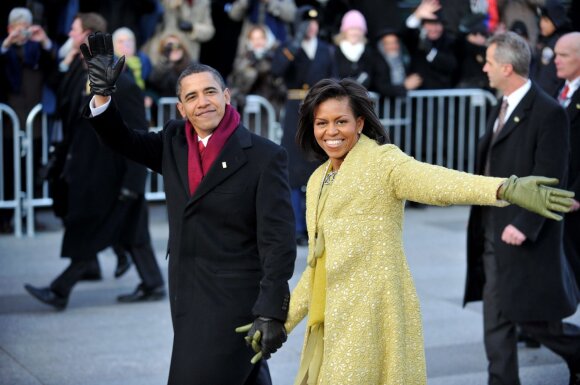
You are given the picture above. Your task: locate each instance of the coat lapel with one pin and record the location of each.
(518, 116)
(179, 144)
(573, 108)
(231, 158)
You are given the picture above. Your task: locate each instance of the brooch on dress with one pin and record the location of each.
(329, 178)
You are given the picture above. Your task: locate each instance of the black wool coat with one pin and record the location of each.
(231, 244)
(572, 220)
(535, 280)
(93, 173)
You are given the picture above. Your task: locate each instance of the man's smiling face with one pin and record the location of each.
(202, 101)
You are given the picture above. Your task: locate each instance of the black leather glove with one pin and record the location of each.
(103, 72)
(265, 336)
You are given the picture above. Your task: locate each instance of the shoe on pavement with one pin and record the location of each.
(142, 294)
(47, 296)
(123, 264)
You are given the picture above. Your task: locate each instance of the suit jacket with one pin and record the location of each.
(231, 244)
(534, 279)
(572, 220)
(368, 283)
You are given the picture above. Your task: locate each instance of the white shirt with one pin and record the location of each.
(572, 87)
(514, 99)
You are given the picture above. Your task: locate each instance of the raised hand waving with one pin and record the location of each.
(100, 59)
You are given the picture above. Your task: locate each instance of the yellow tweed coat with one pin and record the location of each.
(373, 332)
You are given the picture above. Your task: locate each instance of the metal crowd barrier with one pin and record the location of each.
(436, 126)
(5, 202)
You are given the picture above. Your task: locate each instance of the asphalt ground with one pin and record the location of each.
(97, 341)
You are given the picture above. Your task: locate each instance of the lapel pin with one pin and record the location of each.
(224, 165)
(517, 119)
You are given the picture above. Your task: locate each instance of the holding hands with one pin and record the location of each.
(265, 336)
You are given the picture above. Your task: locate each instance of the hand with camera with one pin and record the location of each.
(100, 60)
(16, 36)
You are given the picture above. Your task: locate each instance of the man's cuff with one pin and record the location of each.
(95, 111)
(412, 22)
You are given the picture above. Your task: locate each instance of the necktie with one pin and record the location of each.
(564, 95)
(501, 116)
(200, 147)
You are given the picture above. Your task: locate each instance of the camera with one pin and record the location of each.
(170, 46)
(25, 33)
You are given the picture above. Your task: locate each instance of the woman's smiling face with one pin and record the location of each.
(336, 129)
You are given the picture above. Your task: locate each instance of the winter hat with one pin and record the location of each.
(353, 19)
(555, 11)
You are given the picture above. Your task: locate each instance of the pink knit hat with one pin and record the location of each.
(353, 19)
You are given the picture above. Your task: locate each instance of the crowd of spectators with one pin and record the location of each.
(382, 45)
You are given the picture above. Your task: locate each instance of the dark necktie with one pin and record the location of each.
(501, 117)
(500, 123)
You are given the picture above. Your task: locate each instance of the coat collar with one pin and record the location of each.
(230, 159)
(573, 107)
(517, 117)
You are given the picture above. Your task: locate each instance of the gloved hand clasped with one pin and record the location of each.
(99, 56)
(265, 336)
(533, 194)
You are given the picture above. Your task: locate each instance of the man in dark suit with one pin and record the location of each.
(515, 259)
(567, 63)
(231, 237)
(102, 192)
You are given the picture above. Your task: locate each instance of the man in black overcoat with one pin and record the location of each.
(231, 233)
(516, 262)
(101, 191)
(567, 63)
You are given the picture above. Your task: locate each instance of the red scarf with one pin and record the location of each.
(197, 167)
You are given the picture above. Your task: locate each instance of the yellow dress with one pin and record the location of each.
(313, 351)
(372, 321)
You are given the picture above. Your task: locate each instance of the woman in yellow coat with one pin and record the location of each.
(364, 321)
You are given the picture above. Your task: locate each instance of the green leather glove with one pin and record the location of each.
(266, 336)
(532, 193)
(253, 341)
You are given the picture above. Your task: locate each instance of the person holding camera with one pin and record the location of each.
(26, 57)
(170, 59)
(191, 18)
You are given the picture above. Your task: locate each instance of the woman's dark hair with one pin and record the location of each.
(359, 101)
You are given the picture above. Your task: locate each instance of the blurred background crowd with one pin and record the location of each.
(273, 48)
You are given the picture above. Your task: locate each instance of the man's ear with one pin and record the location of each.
(227, 95)
(508, 69)
(181, 110)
